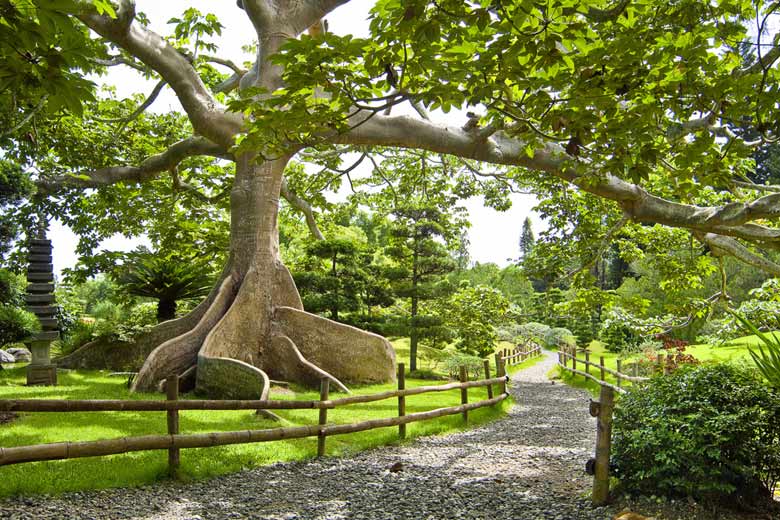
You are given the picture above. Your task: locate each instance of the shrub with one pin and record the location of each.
(710, 432)
(16, 324)
(531, 332)
(473, 364)
(559, 337)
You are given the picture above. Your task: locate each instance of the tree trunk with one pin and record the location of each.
(413, 333)
(255, 328)
(166, 310)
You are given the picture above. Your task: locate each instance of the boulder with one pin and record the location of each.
(5, 357)
(20, 353)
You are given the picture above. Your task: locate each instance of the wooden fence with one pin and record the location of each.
(518, 355)
(568, 357)
(175, 441)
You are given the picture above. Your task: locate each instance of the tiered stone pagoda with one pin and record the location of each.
(40, 301)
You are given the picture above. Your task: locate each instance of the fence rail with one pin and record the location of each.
(175, 441)
(517, 355)
(566, 357)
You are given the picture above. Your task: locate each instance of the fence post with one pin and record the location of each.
(500, 372)
(587, 362)
(401, 399)
(464, 392)
(619, 364)
(660, 361)
(172, 394)
(668, 364)
(636, 369)
(324, 391)
(486, 363)
(601, 364)
(603, 445)
(574, 358)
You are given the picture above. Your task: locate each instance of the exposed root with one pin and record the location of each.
(348, 353)
(227, 378)
(178, 354)
(288, 362)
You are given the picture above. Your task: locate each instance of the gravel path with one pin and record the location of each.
(528, 465)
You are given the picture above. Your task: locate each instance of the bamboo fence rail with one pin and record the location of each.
(564, 356)
(516, 356)
(175, 441)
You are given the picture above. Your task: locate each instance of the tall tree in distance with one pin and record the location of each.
(527, 239)
(416, 245)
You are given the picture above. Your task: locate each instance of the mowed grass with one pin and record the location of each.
(138, 468)
(737, 350)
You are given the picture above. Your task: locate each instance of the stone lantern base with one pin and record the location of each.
(41, 375)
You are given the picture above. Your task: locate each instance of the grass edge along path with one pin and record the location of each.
(140, 468)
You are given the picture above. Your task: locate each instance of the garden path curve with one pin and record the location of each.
(527, 465)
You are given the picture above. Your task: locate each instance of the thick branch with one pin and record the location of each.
(740, 252)
(757, 187)
(406, 132)
(147, 170)
(207, 117)
(765, 62)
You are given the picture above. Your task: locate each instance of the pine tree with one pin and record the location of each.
(527, 239)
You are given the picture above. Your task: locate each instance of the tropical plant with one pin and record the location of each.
(766, 355)
(164, 277)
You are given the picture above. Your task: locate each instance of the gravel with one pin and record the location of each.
(528, 465)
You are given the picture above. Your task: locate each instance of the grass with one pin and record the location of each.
(736, 350)
(134, 469)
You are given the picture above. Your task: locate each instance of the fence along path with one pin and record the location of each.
(175, 441)
(569, 356)
(520, 354)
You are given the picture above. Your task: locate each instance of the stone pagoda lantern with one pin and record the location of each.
(40, 301)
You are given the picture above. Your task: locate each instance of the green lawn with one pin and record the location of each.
(143, 467)
(735, 351)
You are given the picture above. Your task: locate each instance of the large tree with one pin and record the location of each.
(627, 101)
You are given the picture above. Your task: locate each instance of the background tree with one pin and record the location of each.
(422, 262)
(527, 239)
(474, 313)
(332, 277)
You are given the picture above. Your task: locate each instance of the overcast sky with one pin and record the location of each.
(493, 235)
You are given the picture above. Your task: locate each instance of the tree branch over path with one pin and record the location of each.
(729, 220)
(207, 116)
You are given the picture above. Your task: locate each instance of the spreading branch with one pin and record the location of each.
(757, 187)
(147, 170)
(151, 98)
(734, 248)
(304, 207)
(406, 132)
(207, 117)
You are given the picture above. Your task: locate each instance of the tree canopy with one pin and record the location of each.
(624, 117)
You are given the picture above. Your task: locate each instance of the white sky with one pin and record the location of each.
(493, 235)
